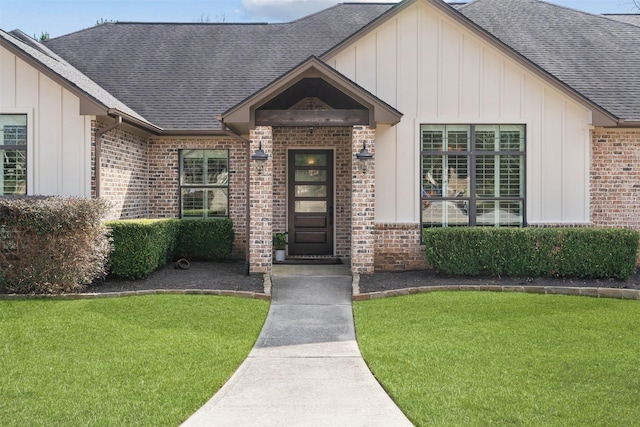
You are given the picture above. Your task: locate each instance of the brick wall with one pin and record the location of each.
(124, 172)
(261, 193)
(362, 204)
(164, 179)
(615, 178)
(398, 247)
(140, 176)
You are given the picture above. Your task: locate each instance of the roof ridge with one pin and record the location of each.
(572, 9)
(547, 2)
(193, 23)
(337, 5)
(35, 44)
(467, 4)
(317, 13)
(80, 31)
(610, 16)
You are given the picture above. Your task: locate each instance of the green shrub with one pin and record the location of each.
(51, 244)
(533, 252)
(140, 246)
(205, 239)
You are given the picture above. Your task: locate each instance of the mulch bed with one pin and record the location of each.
(387, 280)
(200, 275)
(230, 276)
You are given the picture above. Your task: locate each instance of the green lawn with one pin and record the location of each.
(476, 358)
(146, 360)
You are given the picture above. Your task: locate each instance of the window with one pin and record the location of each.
(473, 175)
(13, 154)
(204, 183)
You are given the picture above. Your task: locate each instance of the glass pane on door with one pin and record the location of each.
(311, 206)
(310, 175)
(311, 190)
(311, 160)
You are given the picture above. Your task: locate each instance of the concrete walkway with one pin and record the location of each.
(306, 368)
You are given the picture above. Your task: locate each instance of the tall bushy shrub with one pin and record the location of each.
(140, 246)
(51, 244)
(546, 252)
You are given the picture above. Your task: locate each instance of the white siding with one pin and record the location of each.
(59, 138)
(434, 70)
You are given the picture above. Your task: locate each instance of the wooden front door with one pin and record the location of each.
(310, 206)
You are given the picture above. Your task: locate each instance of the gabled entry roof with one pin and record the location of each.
(347, 104)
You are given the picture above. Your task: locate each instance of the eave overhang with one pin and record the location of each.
(89, 105)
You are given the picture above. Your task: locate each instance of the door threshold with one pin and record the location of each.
(311, 260)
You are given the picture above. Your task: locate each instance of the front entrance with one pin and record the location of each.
(311, 204)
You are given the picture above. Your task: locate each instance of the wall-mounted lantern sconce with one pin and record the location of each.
(258, 158)
(365, 157)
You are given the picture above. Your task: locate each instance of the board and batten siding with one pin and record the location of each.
(437, 71)
(59, 138)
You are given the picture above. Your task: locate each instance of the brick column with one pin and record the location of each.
(261, 203)
(615, 178)
(363, 191)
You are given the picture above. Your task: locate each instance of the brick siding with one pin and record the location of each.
(261, 197)
(124, 172)
(141, 176)
(164, 179)
(363, 204)
(615, 178)
(397, 247)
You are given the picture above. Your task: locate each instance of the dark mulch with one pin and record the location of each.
(381, 281)
(227, 275)
(230, 276)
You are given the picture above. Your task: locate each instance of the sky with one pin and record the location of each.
(60, 17)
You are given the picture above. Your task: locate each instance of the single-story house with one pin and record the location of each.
(352, 129)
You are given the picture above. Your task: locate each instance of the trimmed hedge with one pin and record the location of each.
(51, 244)
(205, 239)
(142, 246)
(533, 252)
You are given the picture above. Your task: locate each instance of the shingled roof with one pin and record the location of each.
(60, 70)
(629, 18)
(181, 76)
(596, 56)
